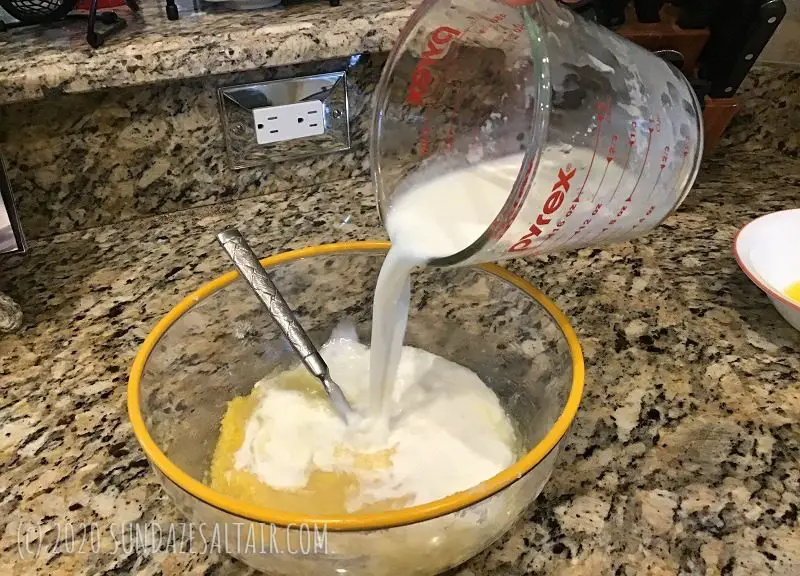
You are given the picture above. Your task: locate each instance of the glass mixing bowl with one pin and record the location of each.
(217, 342)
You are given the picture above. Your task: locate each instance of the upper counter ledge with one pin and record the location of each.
(36, 62)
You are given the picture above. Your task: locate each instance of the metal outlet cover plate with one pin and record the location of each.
(11, 238)
(238, 102)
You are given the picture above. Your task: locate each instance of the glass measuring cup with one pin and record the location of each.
(598, 140)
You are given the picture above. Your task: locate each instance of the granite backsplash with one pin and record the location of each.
(83, 160)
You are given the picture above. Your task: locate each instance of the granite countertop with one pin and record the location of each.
(684, 459)
(41, 61)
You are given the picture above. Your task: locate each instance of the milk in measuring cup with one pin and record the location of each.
(449, 212)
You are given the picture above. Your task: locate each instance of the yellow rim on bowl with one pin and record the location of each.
(380, 520)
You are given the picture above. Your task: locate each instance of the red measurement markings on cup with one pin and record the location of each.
(423, 76)
(425, 138)
(422, 79)
(631, 144)
(603, 115)
(610, 155)
(652, 124)
(644, 218)
(450, 138)
(552, 203)
(686, 147)
(650, 128)
(662, 164)
(499, 23)
(683, 148)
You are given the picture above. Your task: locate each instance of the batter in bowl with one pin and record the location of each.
(283, 446)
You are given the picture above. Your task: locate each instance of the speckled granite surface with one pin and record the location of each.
(769, 119)
(10, 314)
(685, 457)
(38, 63)
(84, 160)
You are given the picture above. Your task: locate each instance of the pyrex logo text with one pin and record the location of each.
(551, 204)
(422, 78)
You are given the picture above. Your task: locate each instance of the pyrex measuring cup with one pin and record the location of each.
(603, 138)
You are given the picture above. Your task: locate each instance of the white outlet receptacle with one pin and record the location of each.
(289, 121)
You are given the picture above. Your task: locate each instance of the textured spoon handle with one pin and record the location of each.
(257, 278)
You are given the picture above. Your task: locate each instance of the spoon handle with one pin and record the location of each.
(259, 281)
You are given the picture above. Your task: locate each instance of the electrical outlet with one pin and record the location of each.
(279, 120)
(289, 122)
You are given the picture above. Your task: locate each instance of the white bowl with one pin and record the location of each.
(768, 251)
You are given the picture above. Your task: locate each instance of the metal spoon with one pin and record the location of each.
(259, 281)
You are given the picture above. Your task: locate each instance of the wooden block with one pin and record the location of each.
(666, 35)
(717, 114)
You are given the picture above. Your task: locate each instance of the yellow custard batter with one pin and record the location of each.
(793, 292)
(283, 447)
(325, 493)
